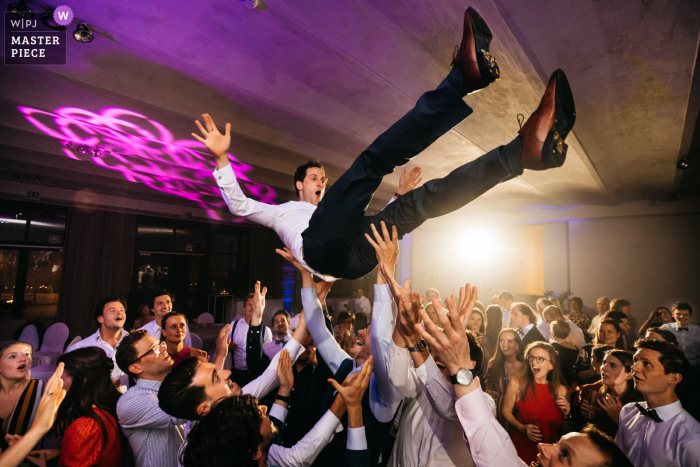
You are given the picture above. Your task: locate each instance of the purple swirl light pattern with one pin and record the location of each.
(145, 151)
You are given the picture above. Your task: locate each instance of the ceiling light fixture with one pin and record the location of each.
(83, 149)
(47, 19)
(82, 33)
(21, 9)
(249, 4)
(68, 145)
(683, 163)
(96, 152)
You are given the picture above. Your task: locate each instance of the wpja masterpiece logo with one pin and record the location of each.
(31, 41)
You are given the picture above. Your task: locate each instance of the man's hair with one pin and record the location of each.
(281, 312)
(100, 307)
(479, 306)
(159, 293)
(578, 300)
(560, 329)
(166, 318)
(616, 304)
(672, 358)
(127, 352)
(683, 306)
(667, 335)
(300, 174)
(554, 312)
(614, 457)
(177, 396)
(505, 295)
(346, 315)
(228, 435)
(547, 302)
(476, 353)
(602, 298)
(248, 297)
(526, 310)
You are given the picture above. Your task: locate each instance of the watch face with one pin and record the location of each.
(464, 376)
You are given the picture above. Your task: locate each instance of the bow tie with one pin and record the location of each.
(683, 329)
(651, 413)
(521, 332)
(280, 341)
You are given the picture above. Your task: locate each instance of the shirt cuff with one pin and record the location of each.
(279, 412)
(382, 293)
(224, 176)
(357, 441)
(327, 425)
(430, 370)
(473, 407)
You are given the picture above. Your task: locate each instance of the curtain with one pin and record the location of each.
(100, 248)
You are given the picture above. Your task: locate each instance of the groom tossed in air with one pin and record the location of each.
(326, 234)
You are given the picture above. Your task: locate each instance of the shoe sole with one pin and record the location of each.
(554, 149)
(488, 67)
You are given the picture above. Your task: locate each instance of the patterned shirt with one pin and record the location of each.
(580, 319)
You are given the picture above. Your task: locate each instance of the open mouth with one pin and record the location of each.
(318, 193)
(232, 385)
(359, 342)
(22, 367)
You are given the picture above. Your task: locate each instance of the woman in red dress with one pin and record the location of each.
(537, 401)
(173, 334)
(87, 417)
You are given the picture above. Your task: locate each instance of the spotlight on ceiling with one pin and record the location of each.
(47, 19)
(683, 163)
(82, 33)
(83, 149)
(69, 145)
(21, 9)
(96, 152)
(249, 4)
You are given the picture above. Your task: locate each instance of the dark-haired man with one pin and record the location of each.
(280, 327)
(505, 300)
(687, 333)
(658, 431)
(326, 234)
(153, 435)
(161, 304)
(489, 442)
(110, 314)
(523, 319)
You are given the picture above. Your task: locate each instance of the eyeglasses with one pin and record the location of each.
(156, 349)
(540, 360)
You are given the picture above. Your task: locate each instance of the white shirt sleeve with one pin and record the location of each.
(325, 342)
(401, 373)
(239, 204)
(263, 384)
(489, 442)
(357, 440)
(384, 399)
(305, 452)
(268, 336)
(440, 393)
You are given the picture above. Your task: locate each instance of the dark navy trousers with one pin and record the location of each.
(334, 242)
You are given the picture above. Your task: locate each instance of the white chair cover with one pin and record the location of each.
(205, 318)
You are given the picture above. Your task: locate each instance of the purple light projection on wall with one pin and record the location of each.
(144, 151)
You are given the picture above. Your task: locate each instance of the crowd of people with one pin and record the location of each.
(430, 382)
(418, 387)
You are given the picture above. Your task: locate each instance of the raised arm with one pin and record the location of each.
(326, 345)
(235, 199)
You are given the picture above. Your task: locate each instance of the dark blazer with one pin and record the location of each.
(534, 335)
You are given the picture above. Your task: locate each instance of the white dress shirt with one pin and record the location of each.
(506, 317)
(384, 399)
(95, 340)
(154, 436)
(489, 442)
(526, 329)
(239, 336)
(155, 330)
(288, 220)
(673, 442)
(574, 331)
(362, 305)
(272, 348)
(689, 340)
(593, 330)
(424, 438)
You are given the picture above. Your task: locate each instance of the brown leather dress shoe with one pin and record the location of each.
(544, 132)
(478, 67)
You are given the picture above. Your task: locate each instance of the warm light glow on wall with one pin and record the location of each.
(145, 151)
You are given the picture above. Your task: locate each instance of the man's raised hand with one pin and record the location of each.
(217, 143)
(285, 373)
(407, 317)
(450, 345)
(408, 181)
(386, 246)
(463, 308)
(258, 304)
(306, 277)
(353, 392)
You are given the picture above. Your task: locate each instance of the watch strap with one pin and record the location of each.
(419, 347)
(286, 399)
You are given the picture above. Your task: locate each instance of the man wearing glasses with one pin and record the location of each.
(154, 436)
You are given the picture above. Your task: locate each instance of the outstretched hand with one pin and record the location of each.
(408, 181)
(258, 304)
(50, 401)
(386, 246)
(353, 392)
(396, 290)
(217, 143)
(285, 373)
(464, 307)
(306, 276)
(407, 317)
(451, 345)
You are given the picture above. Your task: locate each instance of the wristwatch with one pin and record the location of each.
(419, 347)
(463, 377)
(283, 398)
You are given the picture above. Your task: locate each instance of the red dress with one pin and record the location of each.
(182, 355)
(83, 445)
(540, 411)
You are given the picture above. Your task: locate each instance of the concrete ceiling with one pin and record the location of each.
(323, 78)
